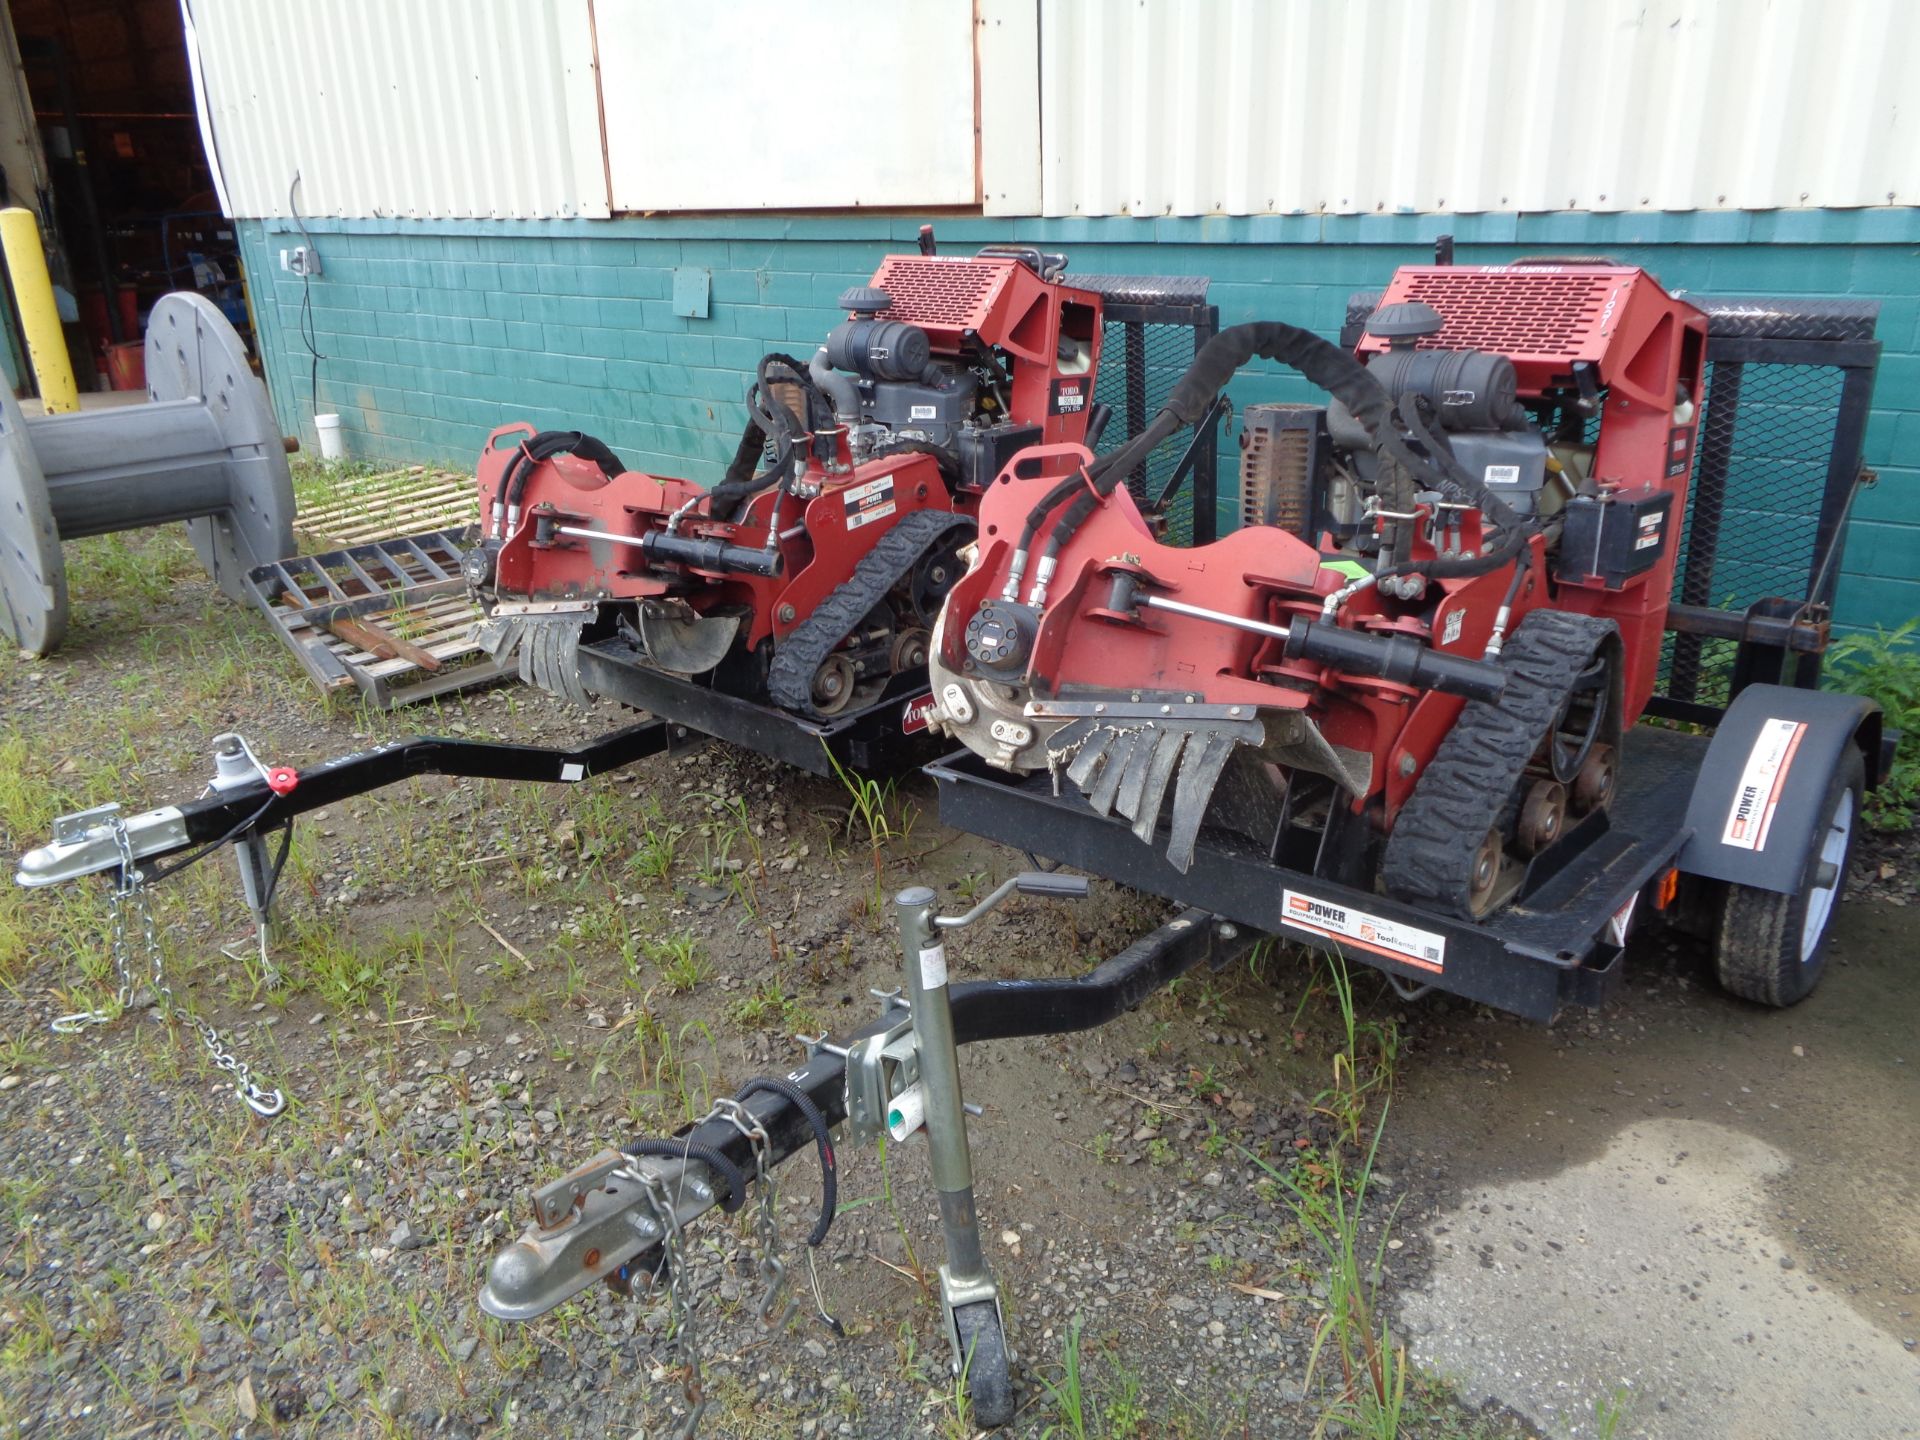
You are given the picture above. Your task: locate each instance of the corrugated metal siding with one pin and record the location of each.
(417, 108)
(1244, 107)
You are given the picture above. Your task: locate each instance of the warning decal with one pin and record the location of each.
(1421, 949)
(869, 502)
(1758, 795)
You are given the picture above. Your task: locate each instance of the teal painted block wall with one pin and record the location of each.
(433, 333)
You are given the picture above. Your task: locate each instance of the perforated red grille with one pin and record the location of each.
(938, 292)
(1518, 313)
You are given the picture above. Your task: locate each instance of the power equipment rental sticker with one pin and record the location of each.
(1758, 795)
(869, 502)
(1421, 949)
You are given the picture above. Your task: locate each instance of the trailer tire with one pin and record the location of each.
(1771, 947)
(983, 1346)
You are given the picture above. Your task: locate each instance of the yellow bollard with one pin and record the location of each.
(39, 316)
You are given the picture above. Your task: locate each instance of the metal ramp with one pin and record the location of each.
(390, 619)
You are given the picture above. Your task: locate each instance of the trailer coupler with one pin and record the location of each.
(619, 1217)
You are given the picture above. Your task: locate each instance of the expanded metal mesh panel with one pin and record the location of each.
(1759, 480)
(1139, 365)
(1520, 314)
(938, 292)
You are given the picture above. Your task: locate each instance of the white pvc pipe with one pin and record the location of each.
(332, 443)
(905, 1115)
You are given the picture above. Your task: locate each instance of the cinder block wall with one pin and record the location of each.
(435, 332)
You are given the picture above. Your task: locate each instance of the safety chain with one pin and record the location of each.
(680, 1309)
(773, 1271)
(130, 902)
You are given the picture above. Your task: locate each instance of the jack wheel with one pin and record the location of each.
(833, 685)
(985, 1363)
(1772, 948)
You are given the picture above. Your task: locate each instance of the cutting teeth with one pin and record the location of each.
(548, 651)
(1126, 768)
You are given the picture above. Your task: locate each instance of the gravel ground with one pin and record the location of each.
(483, 985)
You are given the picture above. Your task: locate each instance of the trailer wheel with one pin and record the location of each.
(984, 1348)
(1771, 948)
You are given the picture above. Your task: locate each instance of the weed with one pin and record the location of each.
(1373, 1392)
(873, 807)
(1886, 667)
(676, 956)
(1355, 1075)
(770, 1007)
(1067, 1393)
(1608, 1412)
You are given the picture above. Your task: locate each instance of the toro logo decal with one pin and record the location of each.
(1069, 396)
(1757, 797)
(917, 715)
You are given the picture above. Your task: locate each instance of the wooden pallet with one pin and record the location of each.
(367, 508)
(391, 618)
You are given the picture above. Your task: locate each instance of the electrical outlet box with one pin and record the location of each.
(301, 260)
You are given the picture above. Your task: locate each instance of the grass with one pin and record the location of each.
(1371, 1398)
(1885, 666)
(875, 807)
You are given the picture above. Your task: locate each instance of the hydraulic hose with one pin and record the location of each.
(544, 446)
(1320, 361)
(531, 454)
(774, 421)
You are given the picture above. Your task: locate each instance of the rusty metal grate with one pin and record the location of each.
(392, 619)
(1139, 364)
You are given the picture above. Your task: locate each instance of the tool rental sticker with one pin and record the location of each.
(1758, 795)
(1421, 949)
(869, 502)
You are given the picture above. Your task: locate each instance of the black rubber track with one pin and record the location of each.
(1470, 784)
(805, 650)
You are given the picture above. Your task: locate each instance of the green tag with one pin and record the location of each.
(1352, 569)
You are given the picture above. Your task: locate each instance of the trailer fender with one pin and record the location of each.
(1755, 801)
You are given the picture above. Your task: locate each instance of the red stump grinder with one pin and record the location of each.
(792, 603)
(1394, 714)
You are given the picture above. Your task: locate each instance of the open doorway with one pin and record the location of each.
(127, 187)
